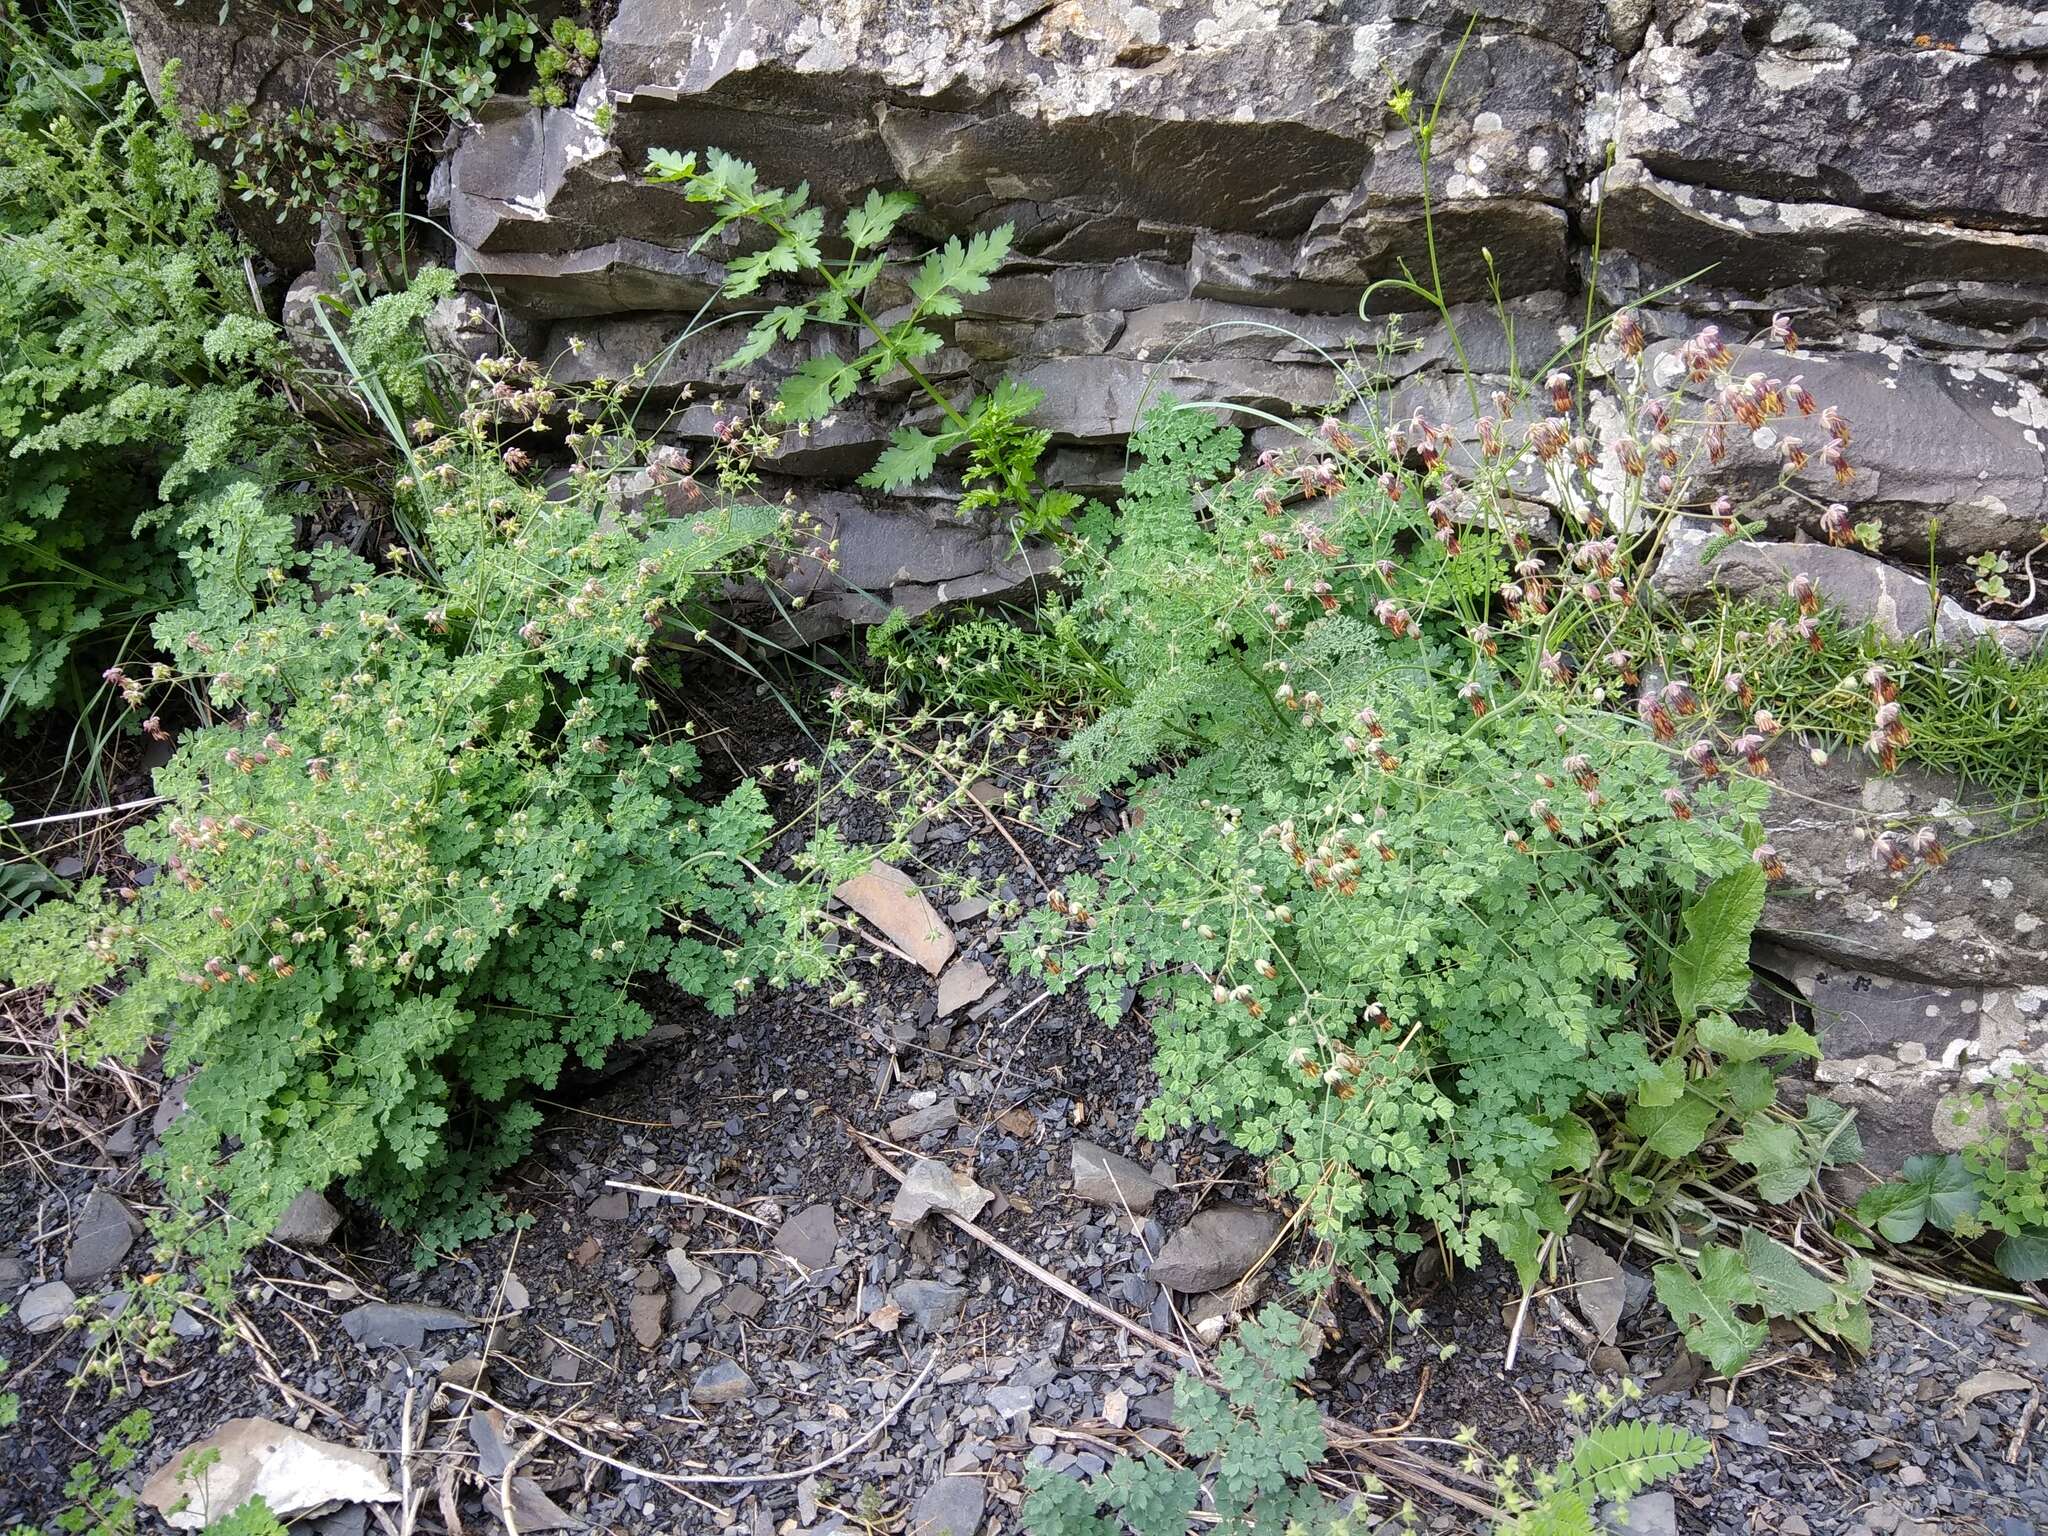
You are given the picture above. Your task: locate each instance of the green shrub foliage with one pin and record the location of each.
(435, 830)
(1404, 883)
(1255, 1439)
(132, 357)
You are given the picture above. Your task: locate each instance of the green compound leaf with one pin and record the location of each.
(818, 388)
(874, 221)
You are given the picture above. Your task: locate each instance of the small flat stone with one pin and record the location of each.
(965, 981)
(100, 1238)
(294, 1473)
(1647, 1514)
(942, 1116)
(933, 1186)
(533, 1510)
(810, 1237)
(890, 899)
(950, 1507)
(382, 1325)
(724, 1382)
(743, 1301)
(612, 1205)
(684, 1302)
(967, 909)
(647, 1313)
(688, 1273)
(1010, 1400)
(308, 1221)
(46, 1307)
(931, 1304)
(1598, 1289)
(1216, 1248)
(1103, 1178)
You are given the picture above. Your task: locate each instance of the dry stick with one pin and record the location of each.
(1024, 857)
(1363, 1443)
(683, 1194)
(2019, 1437)
(1037, 1272)
(701, 1479)
(104, 810)
(259, 1351)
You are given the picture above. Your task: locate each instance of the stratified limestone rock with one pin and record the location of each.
(1980, 919)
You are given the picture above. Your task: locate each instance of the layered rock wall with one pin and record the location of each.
(1202, 194)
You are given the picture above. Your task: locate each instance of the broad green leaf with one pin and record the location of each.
(1663, 1084)
(1897, 1211)
(1949, 1188)
(1710, 969)
(1674, 1130)
(1746, 1087)
(1784, 1285)
(2024, 1256)
(1732, 1042)
(1779, 1154)
(1577, 1143)
(1520, 1239)
(1705, 1305)
(1831, 1129)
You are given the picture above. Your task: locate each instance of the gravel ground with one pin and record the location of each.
(777, 1317)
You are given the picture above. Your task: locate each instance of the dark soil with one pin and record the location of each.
(758, 1115)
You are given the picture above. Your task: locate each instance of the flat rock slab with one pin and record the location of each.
(100, 1238)
(294, 1474)
(933, 1186)
(965, 981)
(890, 899)
(383, 1325)
(721, 1383)
(311, 1220)
(1217, 1247)
(942, 1116)
(610, 1206)
(1101, 1177)
(810, 1237)
(647, 1314)
(950, 1507)
(931, 1304)
(1597, 1287)
(45, 1308)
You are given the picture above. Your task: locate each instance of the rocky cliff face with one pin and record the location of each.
(1202, 192)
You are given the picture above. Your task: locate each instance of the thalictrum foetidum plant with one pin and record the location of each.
(1427, 867)
(437, 827)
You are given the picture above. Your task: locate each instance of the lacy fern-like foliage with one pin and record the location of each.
(1254, 1440)
(438, 829)
(1001, 450)
(1391, 942)
(131, 355)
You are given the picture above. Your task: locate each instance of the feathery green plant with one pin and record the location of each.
(1002, 450)
(132, 357)
(436, 830)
